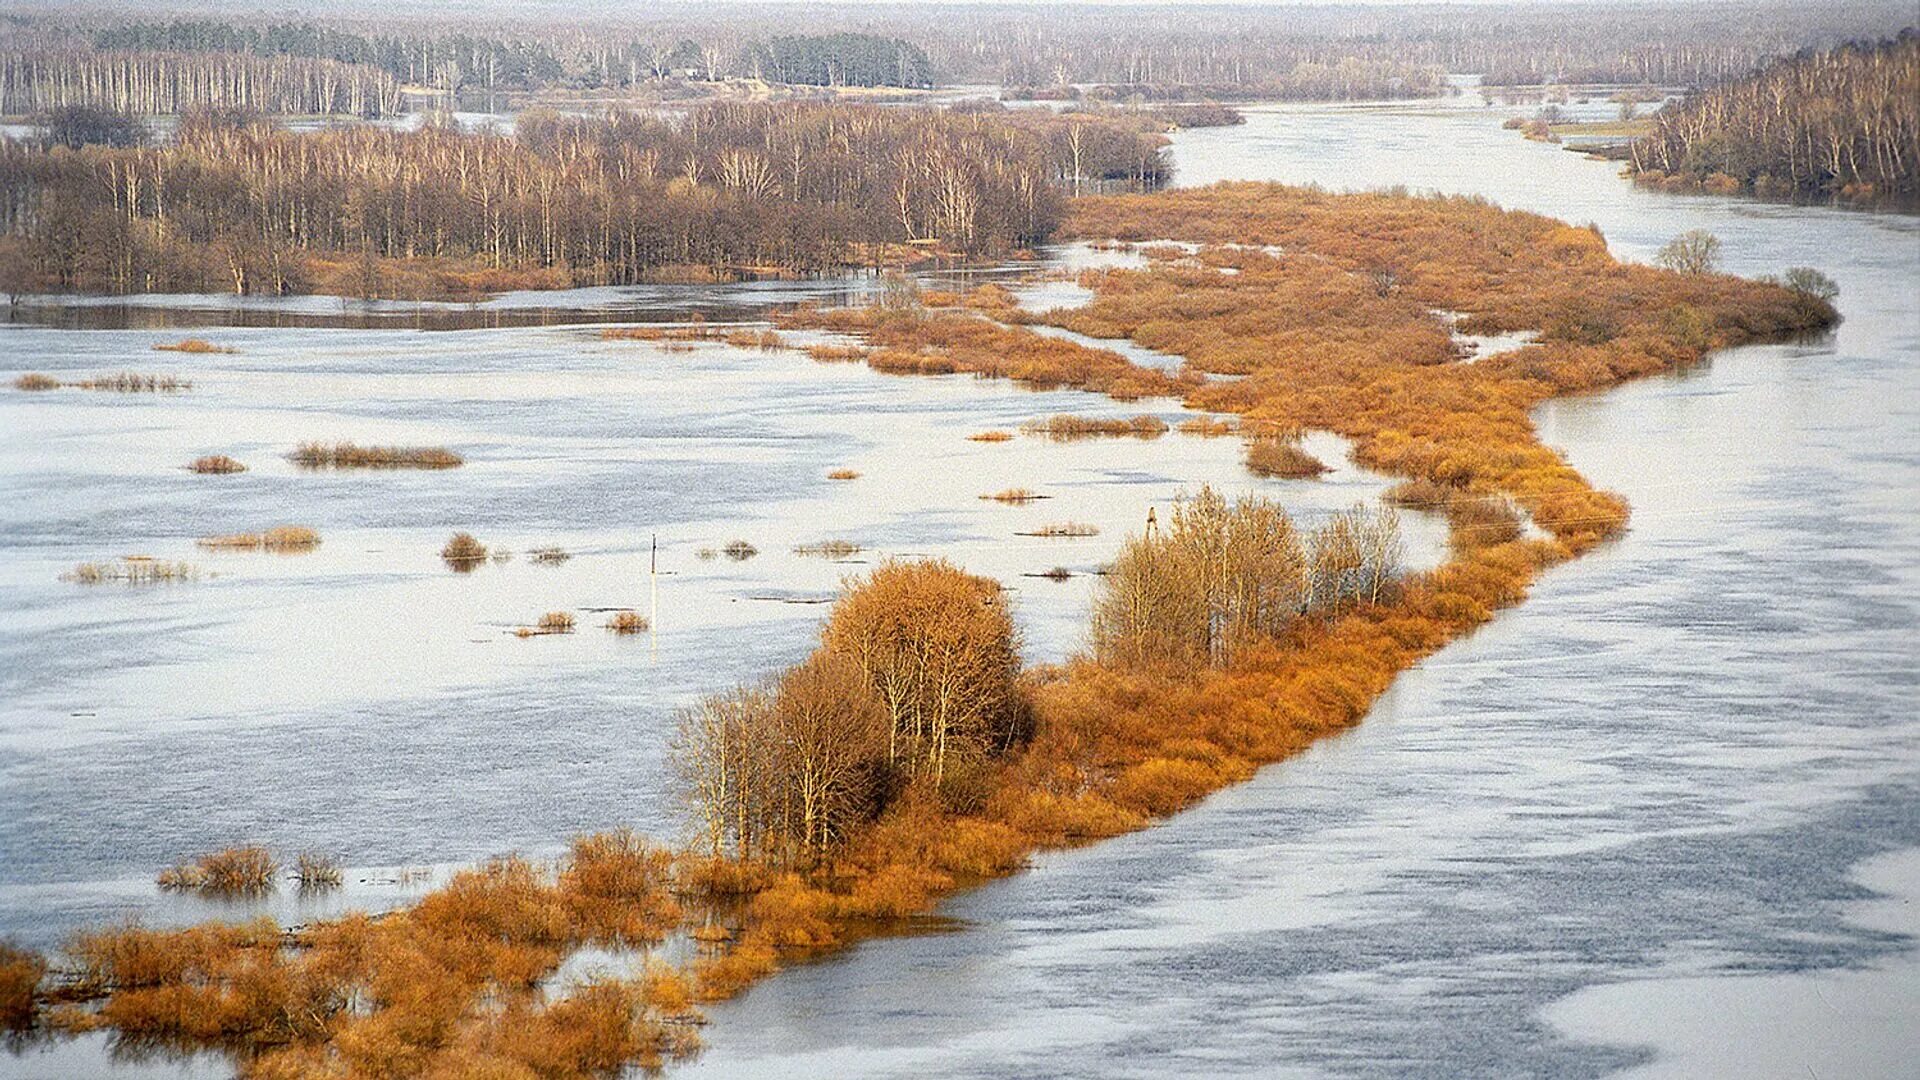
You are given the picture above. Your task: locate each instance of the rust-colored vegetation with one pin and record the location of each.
(317, 872)
(192, 345)
(627, 622)
(1207, 426)
(133, 570)
(1014, 496)
(215, 464)
(20, 975)
(34, 380)
(281, 538)
(837, 354)
(463, 551)
(237, 871)
(991, 436)
(1281, 457)
(764, 340)
(346, 455)
(1063, 428)
(843, 474)
(553, 622)
(739, 550)
(911, 754)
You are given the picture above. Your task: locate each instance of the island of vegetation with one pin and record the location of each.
(912, 753)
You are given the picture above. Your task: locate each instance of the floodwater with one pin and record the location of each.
(1663, 818)
(1671, 801)
(367, 701)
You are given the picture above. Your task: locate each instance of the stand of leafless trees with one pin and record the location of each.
(154, 83)
(1847, 120)
(1222, 576)
(240, 205)
(915, 683)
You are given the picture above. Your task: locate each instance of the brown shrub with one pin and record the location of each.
(20, 975)
(217, 464)
(828, 549)
(132, 570)
(281, 538)
(843, 474)
(193, 345)
(130, 382)
(1013, 496)
(548, 556)
(990, 436)
(318, 871)
(1207, 426)
(837, 354)
(627, 622)
(235, 872)
(1282, 458)
(556, 622)
(33, 380)
(463, 551)
(739, 550)
(1063, 528)
(1065, 427)
(348, 455)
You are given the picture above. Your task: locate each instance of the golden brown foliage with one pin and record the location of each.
(282, 538)
(20, 975)
(34, 380)
(218, 464)
(192, 345)
(132, 382)
(1282, 458)
(348, 455)
(463, 551)
(133, 570)
(843, 474)
(235, 871)
(1063, 427)
(627, 622)
(991, 436)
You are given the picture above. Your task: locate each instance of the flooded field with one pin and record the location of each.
(1661, 818)
(367, 700)
(1687, 769)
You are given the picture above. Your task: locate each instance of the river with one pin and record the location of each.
(1650, 819)
(1662, 818)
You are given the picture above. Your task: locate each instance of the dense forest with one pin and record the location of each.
(238, 204)
(1229, 52)
(1845, 120)
(156, 83)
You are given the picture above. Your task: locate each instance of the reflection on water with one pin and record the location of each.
(1685, 759)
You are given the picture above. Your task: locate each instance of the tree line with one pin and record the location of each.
(462, 61)
(1314, 52)
(238, 203)
(1843, 120)
(156, 83)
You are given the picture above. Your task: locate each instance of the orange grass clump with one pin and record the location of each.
(348, 455)
(627, 622)
(216, 464)
(1063, 428)
(463, 551)
(234, 872)
(991, 436)
(281, 538)
(1014, 496)
(1334, 333)
(843, 474)
(193, 345)
(20, 975)
(1282, 458)
(34, 380)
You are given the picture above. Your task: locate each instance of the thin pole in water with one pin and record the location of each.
(653, 603)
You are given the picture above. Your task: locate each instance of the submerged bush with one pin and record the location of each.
(348, 455)
(20, 975)
(627, 622)
(192, 345)
(828, 549)
(316, 872)
(843, 474)
(1064, 427)
(34, 380)
(131, 382)
(1013, 496)
(740, 550)
(463, 551)
(235, 871)
(1282, 458)
(216, 463)
(133, 570)
(279, 538)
